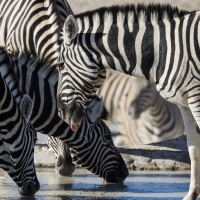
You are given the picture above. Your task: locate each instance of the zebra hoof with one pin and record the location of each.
(29, 190)
(65, 167)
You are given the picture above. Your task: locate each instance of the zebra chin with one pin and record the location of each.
(30, 189)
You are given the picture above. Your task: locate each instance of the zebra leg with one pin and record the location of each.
(65, 166)
(62, 152)
(193, 142)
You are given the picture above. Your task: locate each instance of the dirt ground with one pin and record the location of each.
(83, 5)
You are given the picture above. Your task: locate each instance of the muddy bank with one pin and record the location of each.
(167, 155)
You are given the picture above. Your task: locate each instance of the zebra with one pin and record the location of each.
(154, 42)
(16, 133)
(34, 29)
(142, 114)
(92, 138)
(94, 111)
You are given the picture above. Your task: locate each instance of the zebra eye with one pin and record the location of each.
(107, 137)
(61, 67)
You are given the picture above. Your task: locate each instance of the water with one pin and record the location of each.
(84, 185)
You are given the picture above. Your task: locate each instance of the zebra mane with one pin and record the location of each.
(146, 12)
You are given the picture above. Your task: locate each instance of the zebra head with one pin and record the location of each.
(28, 182)
(19, 158)
(79, 77)
(93, 148)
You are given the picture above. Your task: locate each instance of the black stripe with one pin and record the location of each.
(147, 50)
(163, 52)
(129, 46)
(99, 43)
(183, 80)
(113, 44)
(196, 36)
(180, 54)
(172, 44)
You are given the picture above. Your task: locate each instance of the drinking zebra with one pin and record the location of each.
(16, 133)
(157, 43)
(142, 114)
(33, 28)
(89, 159)
(39, 81)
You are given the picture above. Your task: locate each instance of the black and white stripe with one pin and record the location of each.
(64, 165)
(91, 138)
(157, 43)
(16, 133)
(142, 115)
(34, 28)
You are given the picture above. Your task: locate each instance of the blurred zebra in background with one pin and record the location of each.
(142, 115)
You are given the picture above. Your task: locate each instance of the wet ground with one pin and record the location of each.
(84, 185)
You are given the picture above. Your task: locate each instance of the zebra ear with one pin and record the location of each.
(95, 109)
(26, 107)
(70, 29)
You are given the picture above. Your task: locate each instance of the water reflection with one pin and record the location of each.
(84, 185)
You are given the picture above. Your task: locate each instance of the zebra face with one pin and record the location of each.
(93, 148)
(79, 78)
(73, 94)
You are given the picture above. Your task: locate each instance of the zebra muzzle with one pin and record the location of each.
(74, 127)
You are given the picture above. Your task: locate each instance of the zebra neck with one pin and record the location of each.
(135, 53)
(30, 27)
(131, 41)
